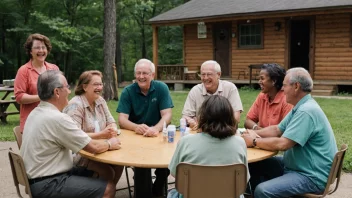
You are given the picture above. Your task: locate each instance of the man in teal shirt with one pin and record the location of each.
(307, 138)
(144, 107)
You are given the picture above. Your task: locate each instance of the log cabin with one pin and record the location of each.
(314, 34)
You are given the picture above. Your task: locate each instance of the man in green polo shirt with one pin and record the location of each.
(144, 106)
(307, 139)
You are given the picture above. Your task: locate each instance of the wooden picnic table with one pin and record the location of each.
(5, 103)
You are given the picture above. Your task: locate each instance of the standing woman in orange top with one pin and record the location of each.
(270, 107)
(37, 47)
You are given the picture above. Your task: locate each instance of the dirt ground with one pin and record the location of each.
(8, 190)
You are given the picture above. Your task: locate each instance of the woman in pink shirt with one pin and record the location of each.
(270, 107)
(37, 47)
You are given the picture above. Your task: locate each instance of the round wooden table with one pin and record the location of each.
(152, 152)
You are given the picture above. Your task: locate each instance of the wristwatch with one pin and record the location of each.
(254, 142)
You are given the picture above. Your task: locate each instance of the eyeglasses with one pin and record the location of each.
(39, 47)
(203, 75)
(142, 73)
(67, 86)
(98, 84)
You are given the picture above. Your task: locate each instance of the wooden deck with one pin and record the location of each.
(246, 81)
(321, 88)
(243, 81)
(332, 82)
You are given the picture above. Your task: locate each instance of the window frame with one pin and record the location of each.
(259, 22)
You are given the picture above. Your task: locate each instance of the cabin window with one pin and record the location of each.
(250, 35)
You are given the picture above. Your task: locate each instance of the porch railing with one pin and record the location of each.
(171, 72)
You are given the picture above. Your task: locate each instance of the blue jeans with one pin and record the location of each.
(173, 193)
(269, 179)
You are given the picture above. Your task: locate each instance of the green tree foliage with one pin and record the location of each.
(136, 33)
(75, 28)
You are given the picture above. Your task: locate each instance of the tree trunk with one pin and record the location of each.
(109, 48)
(3, 31)
(19, 50)
(144, 50)
(118, 55)
(118, 59)
(118, 62)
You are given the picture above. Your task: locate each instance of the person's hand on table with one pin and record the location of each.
(257, 128)
(252, 133)
(151, 132)
(193, 124)
(141, 129)
(112, 131)
(108, 132)
(115, 143)
(248, 137)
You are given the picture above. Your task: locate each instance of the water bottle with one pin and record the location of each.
(183, 126)
(164, 133)
(171, 130)
(187, 131)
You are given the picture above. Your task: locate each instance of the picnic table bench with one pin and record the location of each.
(5, 103)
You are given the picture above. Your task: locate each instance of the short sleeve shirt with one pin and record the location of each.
(198, 94)
(26, 83)
(267, 113)
(145, 109)
(314, 152)
(85, 117)
(49, 139)
(191, 149)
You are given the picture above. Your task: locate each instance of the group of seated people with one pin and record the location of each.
(284, 117)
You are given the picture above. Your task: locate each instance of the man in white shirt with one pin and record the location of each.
(210, 73)
(50, 137)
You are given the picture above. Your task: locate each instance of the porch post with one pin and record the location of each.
(155, 49)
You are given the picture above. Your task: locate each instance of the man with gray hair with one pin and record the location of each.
(49, 139)
(145, 118)
(210, 73)
(143, 108)
(307, 139)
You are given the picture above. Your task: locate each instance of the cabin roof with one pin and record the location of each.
(205, 9)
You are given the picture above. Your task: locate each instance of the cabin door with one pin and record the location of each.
(299, 43)
(222, 42)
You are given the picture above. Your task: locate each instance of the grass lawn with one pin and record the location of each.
(337, 111)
